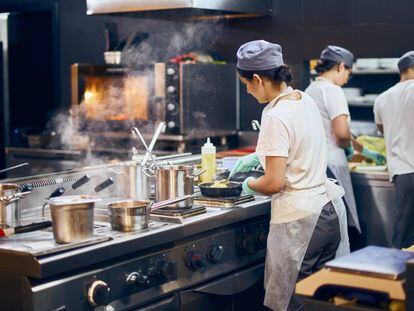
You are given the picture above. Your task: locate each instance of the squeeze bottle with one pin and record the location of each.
(208, 161)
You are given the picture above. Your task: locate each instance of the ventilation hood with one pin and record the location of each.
(191, 7)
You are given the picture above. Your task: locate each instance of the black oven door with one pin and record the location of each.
(168, 304)
(242, 290)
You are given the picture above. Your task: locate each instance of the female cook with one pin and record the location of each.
(307, 218)
(334, 69)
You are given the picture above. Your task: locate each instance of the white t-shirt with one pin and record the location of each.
(294, 129)
(394, 109)
(331, 102)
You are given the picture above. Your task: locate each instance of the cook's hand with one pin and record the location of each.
(245, 164)
(350, 152)
(374, 155)
(246, 188)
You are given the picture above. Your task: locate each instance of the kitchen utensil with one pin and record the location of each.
(13, 167)
(8, 199)
(241, 176)
(232, 189)
(9, 211)
(132, 215)
(255, 125)
(139, 182)
(72, 217)
(173, 181)
(160, 128)
(137, 134)
(26, 228)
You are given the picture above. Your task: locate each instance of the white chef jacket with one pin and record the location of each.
(394, 109)
(331, 101)
(293, 129)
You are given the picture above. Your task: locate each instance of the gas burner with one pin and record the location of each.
(177, 215)
(223, 202)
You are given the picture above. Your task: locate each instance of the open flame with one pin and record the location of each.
(116, 98)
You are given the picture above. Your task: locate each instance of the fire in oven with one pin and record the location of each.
(192, 98)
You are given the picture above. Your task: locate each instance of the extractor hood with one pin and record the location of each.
(217, 7)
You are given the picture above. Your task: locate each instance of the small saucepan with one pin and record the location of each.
(228, 189)
(132, 215)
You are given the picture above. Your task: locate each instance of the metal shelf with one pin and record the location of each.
(378, 71)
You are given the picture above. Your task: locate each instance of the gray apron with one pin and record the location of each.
(338, 165)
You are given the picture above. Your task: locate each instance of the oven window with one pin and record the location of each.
(115, 98)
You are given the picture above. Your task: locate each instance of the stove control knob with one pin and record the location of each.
(170, 71)
(171, 89)
(166, 269)
(98, 294)
(138, 279)
(249, 244)
(215, 252)
(194, 260)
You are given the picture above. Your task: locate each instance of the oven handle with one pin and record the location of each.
(235, 283)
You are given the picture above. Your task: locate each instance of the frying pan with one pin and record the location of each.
(233, 189)
(241, 176)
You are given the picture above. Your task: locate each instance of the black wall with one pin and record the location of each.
(370, 28)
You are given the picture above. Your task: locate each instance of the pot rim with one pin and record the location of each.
(133, 204)
(175, 168)
(8, 186)
(72, 200)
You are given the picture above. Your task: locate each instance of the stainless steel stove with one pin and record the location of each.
(210, 261)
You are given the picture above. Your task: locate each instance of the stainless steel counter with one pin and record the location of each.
(25, 263)
(374, 194)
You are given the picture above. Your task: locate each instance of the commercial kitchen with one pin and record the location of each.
(206, 155)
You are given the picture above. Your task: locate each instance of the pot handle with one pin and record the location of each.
(165, 203)
(149, 172)
(196, 174)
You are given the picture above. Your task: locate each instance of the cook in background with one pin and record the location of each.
(308, 218)
(334, 68)
(394, 116)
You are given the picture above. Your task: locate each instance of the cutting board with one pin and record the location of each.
(374, 261)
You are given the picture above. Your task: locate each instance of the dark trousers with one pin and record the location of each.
(321, 249)
(403, 208)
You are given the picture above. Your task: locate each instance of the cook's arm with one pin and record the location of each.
(273, 181)
(340, 128)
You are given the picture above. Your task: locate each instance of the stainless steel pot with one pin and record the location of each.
(129, 215)
(132, 215)
(174, 181)
(139, 182)
(9, 210)
(72, 218)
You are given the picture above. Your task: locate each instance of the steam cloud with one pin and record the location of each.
(166, 39)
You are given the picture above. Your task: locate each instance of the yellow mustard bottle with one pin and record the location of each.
(208, 161)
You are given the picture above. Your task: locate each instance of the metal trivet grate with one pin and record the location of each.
(223, 202)
(177, 215)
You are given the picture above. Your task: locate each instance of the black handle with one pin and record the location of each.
(33, 227)
(104, 184)
(80, 182)
(57, 193)
(27, 188)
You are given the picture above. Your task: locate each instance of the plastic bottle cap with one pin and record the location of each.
(208, 146)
